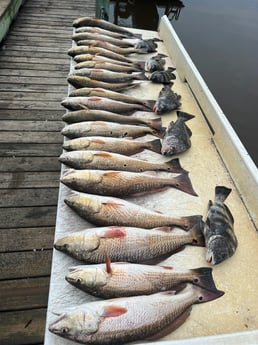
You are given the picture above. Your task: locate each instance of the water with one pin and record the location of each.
(222, 39)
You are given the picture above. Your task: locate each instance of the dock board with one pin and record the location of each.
(33, 70)
(208, 167)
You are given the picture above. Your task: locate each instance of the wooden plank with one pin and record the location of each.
(59, 60)
(32, 126)
(6, 54)
(28, 217)
(20, 164)
(28, 197)
(32, 73)
(28, 114)
(29, 149)
(26, 239)
(38, 179)
(31, 96)
(25, 264)
(22, 327)
(21, 294)
(37, 66)
(30, 137)
(33, 80)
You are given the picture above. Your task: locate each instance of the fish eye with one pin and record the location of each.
(78, 280)
(200, 298)
(186, 226)
(196, 280)
(64, 330)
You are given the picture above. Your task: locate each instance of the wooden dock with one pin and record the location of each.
(33, 70)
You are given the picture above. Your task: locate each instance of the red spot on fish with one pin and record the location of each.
(113, 311)
(103, 154)
(98, 141)
(115, 233)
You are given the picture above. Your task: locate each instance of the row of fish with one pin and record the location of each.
(143, 300)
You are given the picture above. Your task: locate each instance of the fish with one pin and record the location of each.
(96, 50)
(111, 47)
(104, 65)
(100, 31)
(103, 24)
(167, 100)
(149, 45)
(177, 137)
(129, 319)
(163, 77)
(221, 241)
(117, 96)
(108, 129)
(123, 183)
(101, 37)
(102, 115)
(124, 279)
(156, 63)
(85, 58)
(103, 160)
(137, 245)
(102, 103)
(105, 211)
(122, 146)
(109, 76)
(79, 82)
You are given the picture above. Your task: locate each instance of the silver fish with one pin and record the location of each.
(221, 241)
(108, 116)
(113, 161)
(121, 146)
(108, 129)
(109, 76)
(103, 24)
(122, 320)
(100, 37)
(114, 67)
(167, 100)
(112, 47)
(126, 244)
(123, 279)
(123, 183)
(177, 137)
(100, 31)
(103, 211)
(163, 77)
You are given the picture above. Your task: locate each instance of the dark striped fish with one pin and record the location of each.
(220, 239)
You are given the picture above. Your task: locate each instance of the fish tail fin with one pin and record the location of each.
(203, 277)
(141, 76)
(185, 116)
(193, 223)
(222, 192)
(155, 145)
(140, 65)
(205, 295)
(174, 166)
(134, 35)
(149, 103)
(183, 183)
(197, 236)
(155, 124)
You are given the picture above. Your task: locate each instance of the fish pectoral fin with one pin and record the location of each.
(103, 154)
(83, 106)
(114, 232)
(171, 327)
(113, 311)
(111, 173)
(98, 140)
(112, 203)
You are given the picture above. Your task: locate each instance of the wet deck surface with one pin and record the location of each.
(33, 70)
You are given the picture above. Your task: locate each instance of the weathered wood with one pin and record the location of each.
(21, 58)
(21, 294)
(31, 96)
(26, 239)
(20, 164)
(25, 264)
(37, 179)
(30, 137)
(32, 126)
(31, 73)
(22, 327)
(33, 80)
(29, 149)
(27, 114)
(28, 216)
(28, 197)
(36, 66)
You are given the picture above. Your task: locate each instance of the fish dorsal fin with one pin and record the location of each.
(103, 154)
(116, 232)
(171, 327)
(98, 141)
(113, 311)
(108, 265)
(229, 213)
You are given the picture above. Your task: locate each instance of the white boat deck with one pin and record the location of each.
(213, 159)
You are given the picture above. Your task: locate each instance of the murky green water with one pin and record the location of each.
(222, 39)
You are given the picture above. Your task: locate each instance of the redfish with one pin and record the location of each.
(122, 320)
